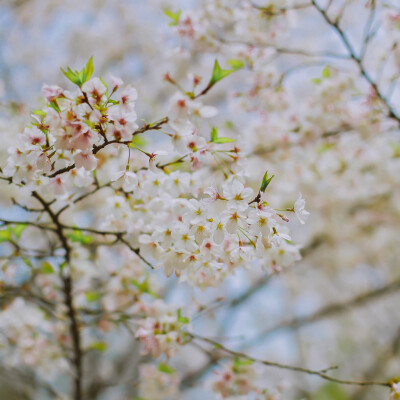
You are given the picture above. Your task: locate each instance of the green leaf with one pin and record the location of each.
(72, 76)
(46, 268)
(79, 78)
(219, 140)
(174, 17)
(89, 123)
(39, 112)
(317, 81)
(324, 147)
(166, 368)
(243, 361)
(144, 287)
(223, 140)
(141, 286)
(54, 105)
(214, 133)
(396, 149)
(92, 296)
(99, 346)
(240, 364)
(265, 181)
(89, 69)
(218, 74)
(326, 72)
(18, 229)
(139, 140)
(181, 319)
(229, 124)
(330, 391)
(236, 64)
(78, 237)
(27, 261)
(5, 236)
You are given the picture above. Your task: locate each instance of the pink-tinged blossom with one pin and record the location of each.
(43, 163)
(213, 194)
(115, 83)
(58, 185)
(127, 97)
(124, 122)
(51, 93)
(95, 89)
(85, 160)
(182, 107)
(83, 140)
(34, 136)
(236, 378)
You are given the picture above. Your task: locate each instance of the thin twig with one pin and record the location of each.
(335, 25)
(319, 373)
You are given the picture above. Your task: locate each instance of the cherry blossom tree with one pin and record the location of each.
(221, 223)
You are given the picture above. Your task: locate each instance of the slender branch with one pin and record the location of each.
(335, 25)
(136, 251)
(13, 291)
(320, 373)
(30, 223)
(282, 145)
(367, 34)
(119, 238)
(285, 50)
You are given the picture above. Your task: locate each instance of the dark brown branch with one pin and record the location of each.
(68, 299)
(36, 225)
(119, 238)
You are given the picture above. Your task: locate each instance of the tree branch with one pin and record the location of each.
(320, 373)
(68, 299)
(335, 25)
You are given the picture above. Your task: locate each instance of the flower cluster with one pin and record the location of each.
(67, 133)
(239, 379)
(160, 331)
(203, 240)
